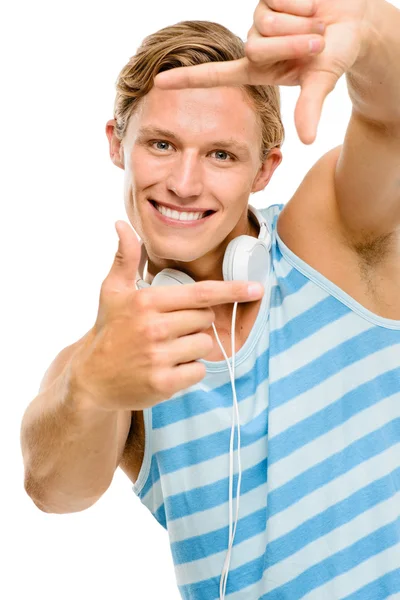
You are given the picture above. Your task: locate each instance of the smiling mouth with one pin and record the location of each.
(180, 215)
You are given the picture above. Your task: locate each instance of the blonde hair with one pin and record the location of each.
(186, 44)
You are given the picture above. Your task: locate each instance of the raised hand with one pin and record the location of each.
(145, 344)
(310, 43)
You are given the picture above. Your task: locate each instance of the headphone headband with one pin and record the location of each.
(261, 222)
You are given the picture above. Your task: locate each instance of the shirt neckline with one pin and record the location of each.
(213, 366)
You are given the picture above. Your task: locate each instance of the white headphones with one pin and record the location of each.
(246, 259)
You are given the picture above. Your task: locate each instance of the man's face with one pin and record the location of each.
(193, 150)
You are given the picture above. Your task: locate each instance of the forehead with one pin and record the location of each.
(223, 112)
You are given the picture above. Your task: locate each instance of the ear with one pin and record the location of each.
(116, 148)
(267, 169)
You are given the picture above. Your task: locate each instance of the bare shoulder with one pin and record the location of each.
(312, 208)
(310, 225)
(133, 453)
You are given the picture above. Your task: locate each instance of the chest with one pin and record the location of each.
(243, 326)
(317, 479)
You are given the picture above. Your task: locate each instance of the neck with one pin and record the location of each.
(201, 271)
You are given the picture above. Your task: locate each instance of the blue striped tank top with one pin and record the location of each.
(318, 387)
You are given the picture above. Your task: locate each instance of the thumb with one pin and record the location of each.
(123, 272)
(314, 90)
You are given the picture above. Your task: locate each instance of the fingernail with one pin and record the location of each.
(255, 290)
(315, 45)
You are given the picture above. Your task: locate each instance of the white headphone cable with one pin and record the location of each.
(224, 578)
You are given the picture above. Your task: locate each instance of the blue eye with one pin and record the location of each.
(160, 145)
(222, 155)
(164, 146)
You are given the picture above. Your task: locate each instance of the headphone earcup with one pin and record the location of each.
(171, 277)
(247, 259)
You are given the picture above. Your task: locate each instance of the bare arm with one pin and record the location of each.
(144, 347)
(70, 447)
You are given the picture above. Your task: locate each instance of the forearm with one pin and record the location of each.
(374, 79)
(70, 450)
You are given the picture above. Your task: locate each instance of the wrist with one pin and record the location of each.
(371, 31)
(79, 393)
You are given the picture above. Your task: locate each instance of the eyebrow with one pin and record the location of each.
(229, 144)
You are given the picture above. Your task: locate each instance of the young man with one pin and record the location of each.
(317, 364)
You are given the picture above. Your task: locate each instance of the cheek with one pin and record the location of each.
(231, 184)
(144, 171)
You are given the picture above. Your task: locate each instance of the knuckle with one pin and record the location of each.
(337, 67)
(202, 293)
(210, 316)
(253, 31)
(155, 330)
(269, 25)
(239, 289)
(277, 5)
(143, 299)
(156, 382)
(161, 383)
(314, 25)
(213, 75)
(252, 50)
(298, 47)
(150, 355)
(168, 387)
(198, 373)
(202, 371)
(206, 342)
(119, 259)
(107, 289)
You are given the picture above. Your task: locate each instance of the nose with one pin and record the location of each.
(185, 178)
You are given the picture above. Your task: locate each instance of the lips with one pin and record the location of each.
(180, 223)
(206, 211)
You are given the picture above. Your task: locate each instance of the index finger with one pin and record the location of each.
(203, 294)
(215, 74)
(302, 8)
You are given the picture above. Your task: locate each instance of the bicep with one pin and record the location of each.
(367, 180)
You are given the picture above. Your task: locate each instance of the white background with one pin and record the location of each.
(60, 197)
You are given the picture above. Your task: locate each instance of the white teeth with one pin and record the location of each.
(179, 216)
